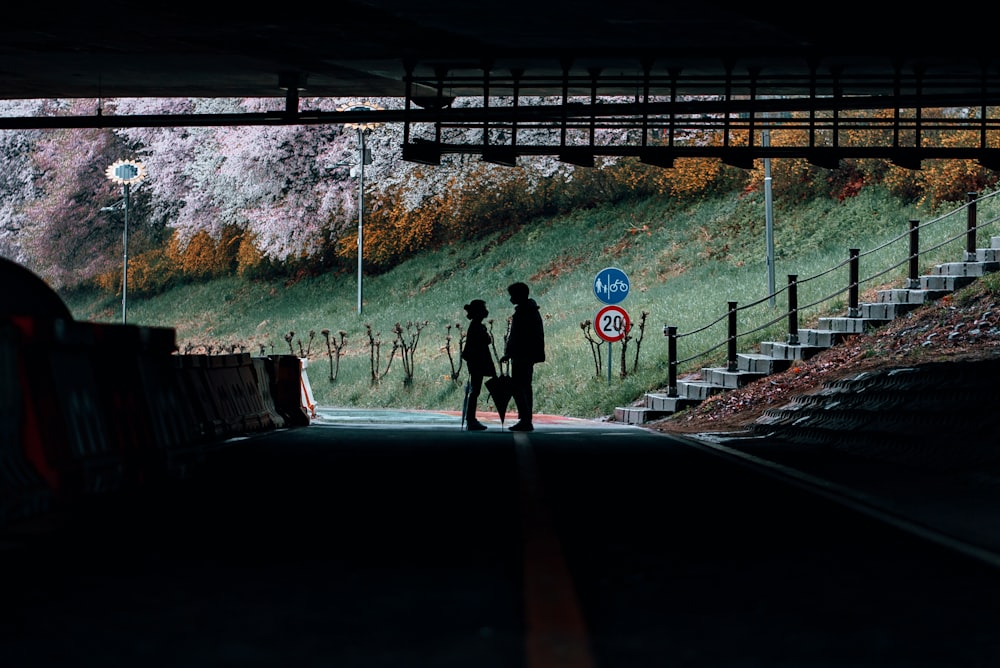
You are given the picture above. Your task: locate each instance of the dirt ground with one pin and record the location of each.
(963, 326)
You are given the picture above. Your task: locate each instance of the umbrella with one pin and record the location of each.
(501, 388)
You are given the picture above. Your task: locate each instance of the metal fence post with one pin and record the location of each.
(731, 356)
(970, 229)
(671, 334)
(852, 291)
(793, 310)
(913, 281)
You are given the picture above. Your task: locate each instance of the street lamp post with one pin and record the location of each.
(768, 217)
(125, 172)
(361, 207)
(364, 158)
(125, 194)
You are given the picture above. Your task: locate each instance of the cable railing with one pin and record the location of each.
(795, 311)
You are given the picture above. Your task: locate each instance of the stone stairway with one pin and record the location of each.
(773, 357)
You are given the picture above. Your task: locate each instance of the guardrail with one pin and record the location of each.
(792, 315)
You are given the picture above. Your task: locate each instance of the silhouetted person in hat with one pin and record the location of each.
(479, 358)
(525, 348)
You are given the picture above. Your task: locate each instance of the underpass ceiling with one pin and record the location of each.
(366, 48)
(761, 59)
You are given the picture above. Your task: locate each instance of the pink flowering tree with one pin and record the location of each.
(66, 237)
(17, 179)
(291, 191)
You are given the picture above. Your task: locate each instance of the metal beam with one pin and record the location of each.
(819, 123)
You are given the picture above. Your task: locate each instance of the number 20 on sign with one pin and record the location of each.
(612, 323)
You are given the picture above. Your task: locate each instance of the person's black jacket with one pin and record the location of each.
(477, 350)
(526, 341)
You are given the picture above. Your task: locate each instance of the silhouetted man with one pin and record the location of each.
(525, 348)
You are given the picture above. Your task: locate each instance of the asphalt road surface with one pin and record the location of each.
(396, 542)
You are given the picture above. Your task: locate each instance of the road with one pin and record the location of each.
(398, 539)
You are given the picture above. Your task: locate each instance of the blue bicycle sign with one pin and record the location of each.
(611, 285)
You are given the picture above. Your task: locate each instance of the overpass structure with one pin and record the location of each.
(655, 72)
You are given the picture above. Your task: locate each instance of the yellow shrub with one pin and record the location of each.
(109, 281)
(149, 272)
(204, 256)
(249, 259)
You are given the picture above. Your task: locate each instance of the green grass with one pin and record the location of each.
(684, 262)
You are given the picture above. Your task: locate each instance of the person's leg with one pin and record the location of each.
(475, 387)
(520, 375)
(529, 391)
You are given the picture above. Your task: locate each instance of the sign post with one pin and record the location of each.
(611, 324)
(611, 286)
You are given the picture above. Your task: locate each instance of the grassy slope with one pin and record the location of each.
(684, 262)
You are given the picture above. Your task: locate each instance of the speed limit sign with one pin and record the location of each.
(612, 323)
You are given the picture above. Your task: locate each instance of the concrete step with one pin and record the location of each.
(659, 401)
(698, 390)
(787, 351)
(912, 297)
(637, 414)
(976, 269)
(945, 282)
(761, 363)
(851, 325)
(988, 254)
(821, 339)
(884, 310)
(727, 379)
(659, 404)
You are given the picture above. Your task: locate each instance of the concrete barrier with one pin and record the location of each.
(287, 390)
(194, 377)
(224, 384)
(23, 492)
(255, 416)
(233, 393)
(263, 380)
(306, 394)
(65, 433)
(88, 408)
(150, 415)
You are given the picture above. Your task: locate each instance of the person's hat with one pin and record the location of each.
(476, 307)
